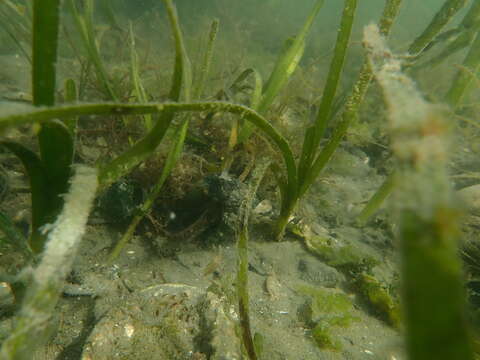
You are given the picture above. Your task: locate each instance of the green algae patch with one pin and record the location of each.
(340, 254)
(357, 264)
(379, 299)
(324, 312)
(324, 340)
(352, 261)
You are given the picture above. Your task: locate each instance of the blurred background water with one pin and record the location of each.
(270, 21)
(252, 32)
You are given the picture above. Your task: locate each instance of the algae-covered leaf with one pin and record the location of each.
(434, 296)
(33, 326)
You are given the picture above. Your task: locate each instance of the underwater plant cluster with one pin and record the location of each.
(186, 204)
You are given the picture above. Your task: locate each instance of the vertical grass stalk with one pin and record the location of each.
(353, 102)
(204, 69)
(318, 128)
(55, 142)
(242, 249)
(314, 133)
(46, 18)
